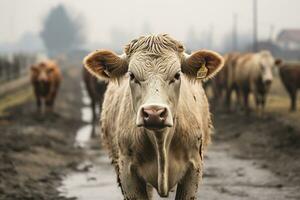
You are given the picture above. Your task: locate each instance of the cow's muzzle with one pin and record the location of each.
(154, 117)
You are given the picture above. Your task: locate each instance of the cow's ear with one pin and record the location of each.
(202, 64)
(105, 64)
(34, 68)
(278, 62)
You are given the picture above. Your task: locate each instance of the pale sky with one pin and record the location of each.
(175, 17)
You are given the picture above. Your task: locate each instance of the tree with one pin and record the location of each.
(61, 32)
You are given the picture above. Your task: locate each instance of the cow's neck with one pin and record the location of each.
(161, 141)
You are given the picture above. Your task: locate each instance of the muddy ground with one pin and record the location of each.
(250, 157)
(35, 150)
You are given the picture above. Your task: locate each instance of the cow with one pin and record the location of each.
(290, 77)
(253, 73)
(45, 78)
(95, 90)
(155, 118)
(223, 84)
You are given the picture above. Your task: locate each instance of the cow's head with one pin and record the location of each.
(267, 63)
(42, 72)
(154, 66)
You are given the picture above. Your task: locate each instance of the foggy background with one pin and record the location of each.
(220, 25)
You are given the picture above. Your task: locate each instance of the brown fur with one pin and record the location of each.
(290, 77)
(95, 89)
(224, 83)
(45, 78)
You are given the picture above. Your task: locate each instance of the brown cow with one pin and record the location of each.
(253, 73)
(155, 119)
(45, 78)
(223, 84)
(290, 77)
(95, 89)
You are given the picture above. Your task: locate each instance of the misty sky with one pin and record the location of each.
(168, 16)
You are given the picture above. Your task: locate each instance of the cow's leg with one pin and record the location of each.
(263, 103)
(258, 102)
(39, 104)
(49, 105)
(188, 186)
(246, 100)
(293, 96)
(228, 98)
(133, 187)
(150, 192)
(94, 120)
(239, 99)
(50, 101)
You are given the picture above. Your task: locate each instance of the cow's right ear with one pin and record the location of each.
(105, 64)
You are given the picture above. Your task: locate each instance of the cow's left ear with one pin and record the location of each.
(202, 64)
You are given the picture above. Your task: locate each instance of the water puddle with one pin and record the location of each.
(86, 114)
(83, 136)
(97, 182)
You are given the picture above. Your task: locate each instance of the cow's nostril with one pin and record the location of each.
(268, 82)
(144, 114)
(163, 114)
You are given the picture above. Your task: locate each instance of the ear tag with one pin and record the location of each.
(202, 71)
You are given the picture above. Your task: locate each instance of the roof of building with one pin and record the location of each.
(289, 35)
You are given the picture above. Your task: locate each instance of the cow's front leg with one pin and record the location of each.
(133, 187)
(188, 186)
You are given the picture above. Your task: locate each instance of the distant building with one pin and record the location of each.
(289, 39)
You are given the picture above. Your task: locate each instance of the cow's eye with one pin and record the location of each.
(131, 76)
(176, 77)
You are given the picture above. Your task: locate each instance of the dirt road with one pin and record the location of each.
(249, 159)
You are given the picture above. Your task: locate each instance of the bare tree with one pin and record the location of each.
(61, 32)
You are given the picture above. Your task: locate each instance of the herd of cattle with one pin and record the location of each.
(247, 73)
(155, 118)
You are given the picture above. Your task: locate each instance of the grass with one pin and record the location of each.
(15, 99)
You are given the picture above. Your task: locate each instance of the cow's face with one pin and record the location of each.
(267, 64)
(155, 86)
(42, 72)
(154, 79)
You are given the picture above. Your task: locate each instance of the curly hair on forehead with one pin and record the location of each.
(154, 44)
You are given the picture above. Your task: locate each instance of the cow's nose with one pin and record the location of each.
(154, 116)
(268, 82)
